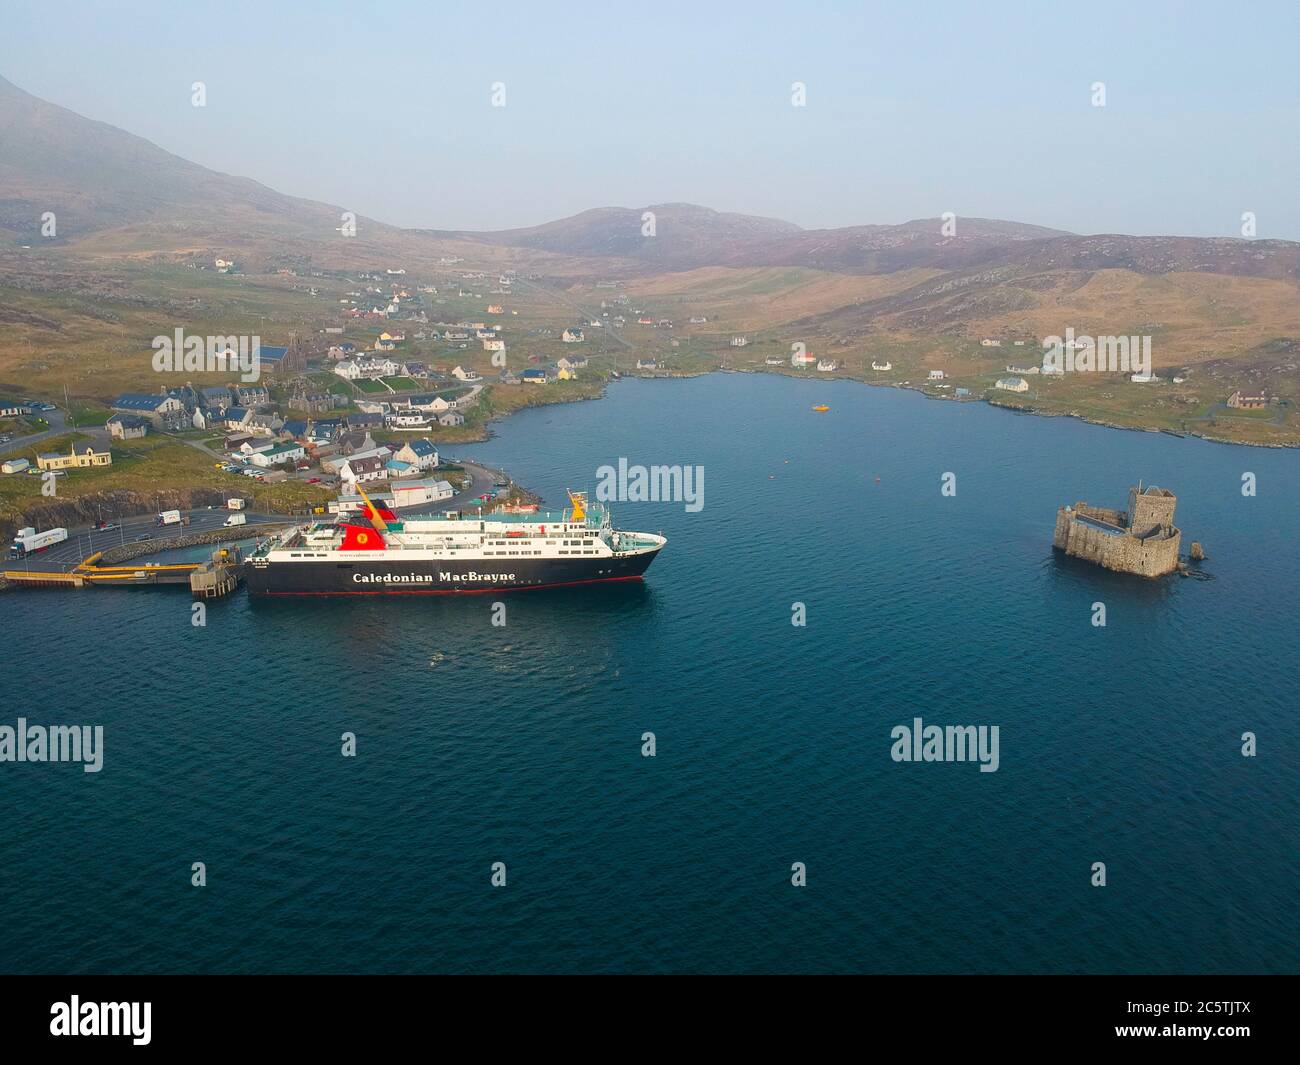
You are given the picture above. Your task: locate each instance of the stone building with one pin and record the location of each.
(1142, 540)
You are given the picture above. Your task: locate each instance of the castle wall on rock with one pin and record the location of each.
(1142, 540)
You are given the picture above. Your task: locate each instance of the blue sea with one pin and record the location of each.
(522, 744)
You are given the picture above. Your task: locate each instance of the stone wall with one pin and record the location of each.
(126, 552)
(1151, 556)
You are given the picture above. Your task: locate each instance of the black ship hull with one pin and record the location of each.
(394, 575)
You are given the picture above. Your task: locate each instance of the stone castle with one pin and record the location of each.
(1141, 540)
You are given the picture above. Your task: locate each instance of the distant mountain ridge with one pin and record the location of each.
(122, 193)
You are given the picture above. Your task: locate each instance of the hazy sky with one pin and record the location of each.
(913, 109)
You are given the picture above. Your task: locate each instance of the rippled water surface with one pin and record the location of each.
(522, 744)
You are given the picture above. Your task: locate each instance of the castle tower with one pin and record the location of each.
(1150, 509)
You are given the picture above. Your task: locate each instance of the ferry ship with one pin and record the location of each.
(373, 552)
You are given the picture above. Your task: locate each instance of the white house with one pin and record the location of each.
(418, 493)
(1012, 384)
(419, 453)
(886, 365)
(827, 365)
(987, 343)
(361, 470)
(273, 456)
(573, 336)
(935, 375)
(495, 344)
(409, 421)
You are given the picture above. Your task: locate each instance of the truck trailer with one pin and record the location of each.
(29, 541)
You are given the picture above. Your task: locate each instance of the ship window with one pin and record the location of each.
(563, 552)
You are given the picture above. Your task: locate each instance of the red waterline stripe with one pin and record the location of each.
(466, 591)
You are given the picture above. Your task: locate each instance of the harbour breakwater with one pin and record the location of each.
(127, 552)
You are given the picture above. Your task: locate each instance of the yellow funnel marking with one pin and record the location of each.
(579, 501)
(374, 511)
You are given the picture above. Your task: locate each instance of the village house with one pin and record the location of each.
(362, 470)
(468, 376)
(495, 344)
(573, 335)
(739, 342)
(647, 364)
(216, 398)
(987, 343)
(534, 376)
(127, 427)
(827, 365)
(355, 442)
(774, 360)
(250, 396)
(419, 453)
(1240, 401)
(79, 456)
(886, 365)
(1012, 384)
(280, 453)
(408, 421)
(292, 359)
(452, 419)
(312, 402)
(935, 375)
(263, 424)
(166, 413)
(572, 362)
(419, 493)
(364, 420)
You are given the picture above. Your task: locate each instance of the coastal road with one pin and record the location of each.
(22, 443)
(58, 426)
(83, 542)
